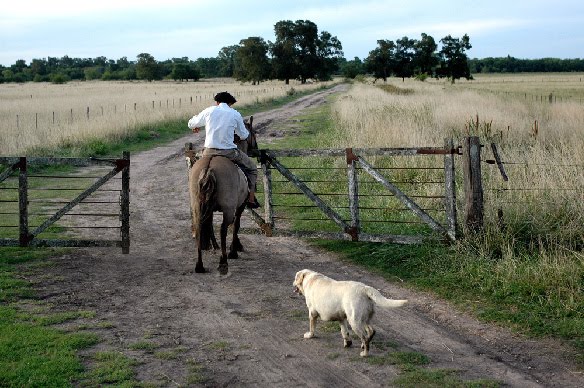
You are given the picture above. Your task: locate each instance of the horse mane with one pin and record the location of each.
(203, 210)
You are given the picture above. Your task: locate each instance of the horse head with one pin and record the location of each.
(249, 145)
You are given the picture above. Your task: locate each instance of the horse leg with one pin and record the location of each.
(223, 267)
(214, 241)
(199, 266)
(236, 245)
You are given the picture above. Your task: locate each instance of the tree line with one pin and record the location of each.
(299, 52)
(510, 64)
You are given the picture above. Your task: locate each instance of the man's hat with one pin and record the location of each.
(225, 97)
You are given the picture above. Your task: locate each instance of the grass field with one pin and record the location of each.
(36, 117)
(562, 87)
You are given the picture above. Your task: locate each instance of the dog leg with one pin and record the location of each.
(370, 333)
(312, 322)
(346, 334)
(366, 340)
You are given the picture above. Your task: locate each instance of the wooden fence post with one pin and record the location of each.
(23, 203)
(450, 190)
(125, 204)
(353, 194)
(268, 198)
(473, 189)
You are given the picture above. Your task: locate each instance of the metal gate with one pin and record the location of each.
(94, 200)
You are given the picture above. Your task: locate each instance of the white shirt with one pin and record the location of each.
(221, 122)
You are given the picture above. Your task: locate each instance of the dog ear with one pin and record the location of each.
(300, 277)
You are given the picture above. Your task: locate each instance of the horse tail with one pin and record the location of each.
(202, 204)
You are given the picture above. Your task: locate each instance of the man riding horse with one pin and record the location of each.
(221, 123)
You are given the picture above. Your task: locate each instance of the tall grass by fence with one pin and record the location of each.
(540, 145)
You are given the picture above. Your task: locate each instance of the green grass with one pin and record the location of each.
(219, 346)
(196, 373)
(110, 369)
(34, 355)
(415, 372)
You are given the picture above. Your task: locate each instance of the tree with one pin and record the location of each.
(404, 57)
(283, 51)
(351, 69)
(454, 62)
(306, 35)
(226, 59)
(94, 72)
(183, 69)
(328, 51)
(301, 52)
(425, 59)
(380, 61)
(147, 68)
(209, 67)
(251, 60)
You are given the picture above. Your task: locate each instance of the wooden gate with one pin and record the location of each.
(349, 225)
(95, 198)
(345, 219)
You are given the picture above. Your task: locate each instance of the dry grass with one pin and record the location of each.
(544, 194)
(43, 114)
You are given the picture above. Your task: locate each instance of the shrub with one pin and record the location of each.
(58, 78)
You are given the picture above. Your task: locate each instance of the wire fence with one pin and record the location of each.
(544, 199)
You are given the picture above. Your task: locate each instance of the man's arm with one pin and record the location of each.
(196, 122)
(240, 129)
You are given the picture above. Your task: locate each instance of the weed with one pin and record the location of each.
(143, 345)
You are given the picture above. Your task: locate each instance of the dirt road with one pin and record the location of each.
(246, 329)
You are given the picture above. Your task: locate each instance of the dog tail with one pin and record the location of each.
(381, 300)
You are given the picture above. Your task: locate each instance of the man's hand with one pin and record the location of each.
(196, 130)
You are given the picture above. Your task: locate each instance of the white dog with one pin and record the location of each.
(341, 301)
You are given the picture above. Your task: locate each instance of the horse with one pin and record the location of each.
(216, 184)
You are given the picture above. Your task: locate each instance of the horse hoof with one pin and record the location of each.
(200, 269)
(232, 255)
(223, 269)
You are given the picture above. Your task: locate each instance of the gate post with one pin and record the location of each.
(268, 200)
(23, 202)
(450, 190)
(473, 187)
(353, 194)
(125, 204)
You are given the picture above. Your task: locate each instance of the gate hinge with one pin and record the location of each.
(353, 232)
(351, 157)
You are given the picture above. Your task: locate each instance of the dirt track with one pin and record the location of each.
(246, 329)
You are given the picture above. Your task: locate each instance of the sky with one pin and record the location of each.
(169, 29)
